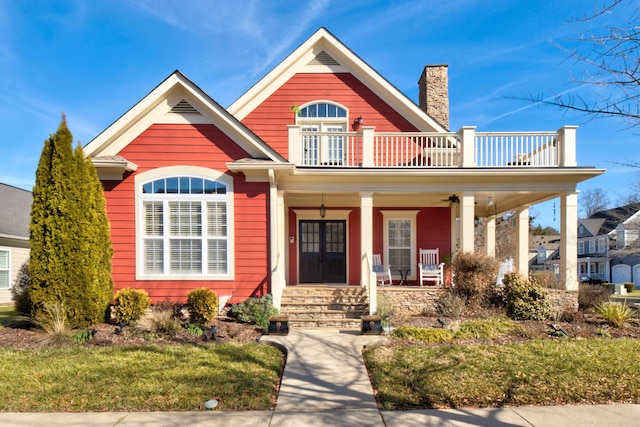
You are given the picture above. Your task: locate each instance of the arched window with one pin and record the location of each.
(184, 227)
(320, 120)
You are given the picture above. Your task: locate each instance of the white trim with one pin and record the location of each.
(169, 171)
(411, 215)
(155, 108)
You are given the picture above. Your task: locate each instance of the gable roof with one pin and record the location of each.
(324, 53)
(175, 100)
(15, 212)
(610, 218)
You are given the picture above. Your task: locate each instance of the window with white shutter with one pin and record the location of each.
(184, 227)
(5, 269)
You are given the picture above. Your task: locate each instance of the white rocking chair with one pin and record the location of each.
(431, 270)
(383, 275)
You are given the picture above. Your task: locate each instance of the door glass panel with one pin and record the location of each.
(310, 237)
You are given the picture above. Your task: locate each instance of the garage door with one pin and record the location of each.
(621, 273)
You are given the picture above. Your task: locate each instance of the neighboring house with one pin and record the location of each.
(318, 166)
(544, 254)
(15, 214)
(608, 248)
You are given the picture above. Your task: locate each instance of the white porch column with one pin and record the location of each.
(490, 236)
(367, 146)
(295, 142)
(522, 241)
(467, 212)
(366, 248)
(567, 152)
(277, 239)
(569, 241)
(467, 146)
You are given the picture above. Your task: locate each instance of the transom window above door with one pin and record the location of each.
(319, 121)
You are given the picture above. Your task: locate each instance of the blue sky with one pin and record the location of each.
(93, 60)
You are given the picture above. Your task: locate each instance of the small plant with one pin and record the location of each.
(53, 320)
(603, 333)
(615, 313)
(526, 300)
(195, 329)
(451, 305)
(160, 319)
(202, 304)
(82, 337)
(385, 309)
(255, 310)
(629, 286)
(131, 304)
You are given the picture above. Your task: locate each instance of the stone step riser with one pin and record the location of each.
(325, 307)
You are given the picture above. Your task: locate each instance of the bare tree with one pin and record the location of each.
(611, 57)
(592, 201)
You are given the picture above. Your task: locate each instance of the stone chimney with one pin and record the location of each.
(434, 93)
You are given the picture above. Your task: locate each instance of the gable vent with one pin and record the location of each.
(323, 58)
(183, 107)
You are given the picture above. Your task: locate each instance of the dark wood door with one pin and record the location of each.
(322, 252)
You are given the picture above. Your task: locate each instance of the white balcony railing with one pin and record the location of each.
(465, 148)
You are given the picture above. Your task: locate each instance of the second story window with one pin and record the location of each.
(319, 121)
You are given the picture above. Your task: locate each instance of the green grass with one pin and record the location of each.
(169, 378)
(538, 372)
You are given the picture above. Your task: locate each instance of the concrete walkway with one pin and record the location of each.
(325, 383)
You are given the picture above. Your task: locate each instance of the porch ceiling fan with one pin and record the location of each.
(452, 199)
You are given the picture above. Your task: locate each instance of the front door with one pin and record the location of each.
(322, 251)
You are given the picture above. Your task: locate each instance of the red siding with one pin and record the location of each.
(197, 145)
(270, 119)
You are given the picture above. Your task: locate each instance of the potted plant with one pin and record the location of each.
(448, 267)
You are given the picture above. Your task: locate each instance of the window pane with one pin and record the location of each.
(4, 259)
(332, 111)
(185, 256)
(217, 219)
(184, 185)
(217, 262)
(322, 110)
(185, 219)
(153, 219)
(400, 259)
(159, 186)
(147, 188)
(172, 185)
(153, 256)
(197, 186)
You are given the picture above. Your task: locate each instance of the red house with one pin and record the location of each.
(317, 167)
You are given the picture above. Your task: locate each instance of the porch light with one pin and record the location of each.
(323, 210)
(490, 201)
(360, 120)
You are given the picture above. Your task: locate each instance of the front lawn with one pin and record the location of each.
(537, 372)
(141, 378)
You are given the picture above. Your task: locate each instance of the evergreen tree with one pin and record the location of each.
(70, 260)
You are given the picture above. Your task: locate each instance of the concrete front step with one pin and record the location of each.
(324, 314)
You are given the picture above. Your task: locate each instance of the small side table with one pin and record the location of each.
(403, 276)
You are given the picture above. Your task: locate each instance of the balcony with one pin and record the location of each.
(463, 149)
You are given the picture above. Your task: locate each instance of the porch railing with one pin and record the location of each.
(466, 148)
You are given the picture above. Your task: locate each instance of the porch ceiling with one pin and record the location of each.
(502, 202)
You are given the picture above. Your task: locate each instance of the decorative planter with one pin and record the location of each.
(371, 325)
(278, 325)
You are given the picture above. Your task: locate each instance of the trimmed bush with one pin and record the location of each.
(526, 299)
(20, 290)
(131, 304)
(589, 296)
(163, 318)
(475, 277)
(255, 310)
(202, 304)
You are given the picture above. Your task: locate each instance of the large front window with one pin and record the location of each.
(185, 227)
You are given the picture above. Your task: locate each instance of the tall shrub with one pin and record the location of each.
(526, 299)
(70, 260)
(475, 277)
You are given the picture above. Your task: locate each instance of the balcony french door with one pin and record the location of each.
(326, 148)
